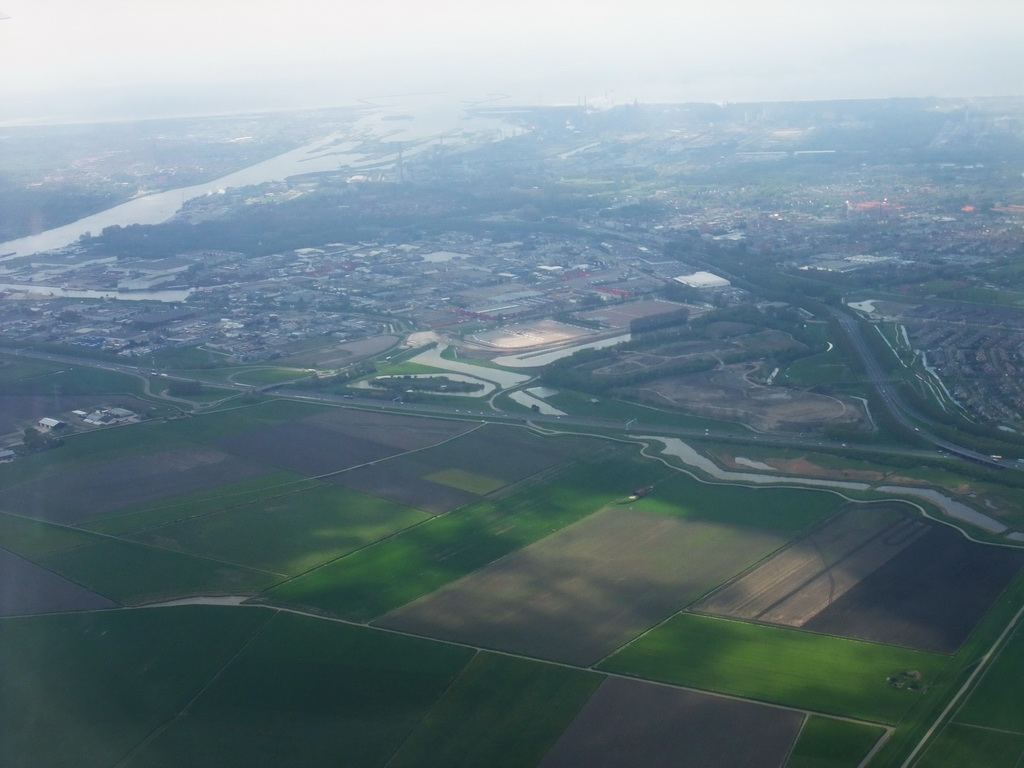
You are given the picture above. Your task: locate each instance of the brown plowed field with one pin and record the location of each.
(930, 597)
(406, 433)
(628, 723)
(27, 588)
(390, 481)
(306, 448)
(503, 454)
(81, 494)
(578, 594)
(797, 583)
(509, 454)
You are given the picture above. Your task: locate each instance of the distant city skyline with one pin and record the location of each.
(64, 59)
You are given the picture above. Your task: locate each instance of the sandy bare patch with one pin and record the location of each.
(727, 393)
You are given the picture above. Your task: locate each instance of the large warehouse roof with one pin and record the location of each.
(702, 280)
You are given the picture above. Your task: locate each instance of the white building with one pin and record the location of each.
(703, 280)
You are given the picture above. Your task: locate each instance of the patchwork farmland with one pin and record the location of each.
(781, 665)
(456, 575)
(577, 595)
(82, 494)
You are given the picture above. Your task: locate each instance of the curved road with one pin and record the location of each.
(895, 404)
(875, 374)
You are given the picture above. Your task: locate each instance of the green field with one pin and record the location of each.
(133, 574)
(915, 725)
(254, 686)
(93, 448)
(209, 393)
(289, 532)
(262, 376)
(85, 689)
(532, 702)
(14, 368)
(307, 692)
(34, 538)
(962, 745)
(828, 743)
(825, 368)
(465, 481)
(200, 503)
(579, 403)
(30, 378)
(996, 701)
(384, 576)
(235, 419)
(988, 728)
(781, 509)
(799, 669)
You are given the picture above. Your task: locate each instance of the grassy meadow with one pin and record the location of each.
(795, 668)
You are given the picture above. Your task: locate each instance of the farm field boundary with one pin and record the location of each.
(791, 667)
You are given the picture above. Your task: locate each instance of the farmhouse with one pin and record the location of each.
(46, 424)
(107, 416)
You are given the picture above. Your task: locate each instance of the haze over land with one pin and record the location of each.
(113, 59)
(535, 385)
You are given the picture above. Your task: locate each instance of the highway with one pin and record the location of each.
(895, 404)
(633, 426)
(876, 376)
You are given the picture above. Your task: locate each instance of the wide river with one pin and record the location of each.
(432, 117)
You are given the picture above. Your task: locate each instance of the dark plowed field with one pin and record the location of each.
(306, 448)
(387, 482)
(803, 579)
(628, 723)
(931, 596)
(26, 588)
(81, 494)
(405, 433)
(501, 452)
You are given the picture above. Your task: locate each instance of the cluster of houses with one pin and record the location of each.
(101, 417)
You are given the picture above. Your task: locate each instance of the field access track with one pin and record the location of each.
(797, 583)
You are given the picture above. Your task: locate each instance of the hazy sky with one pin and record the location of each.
(161, 55)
